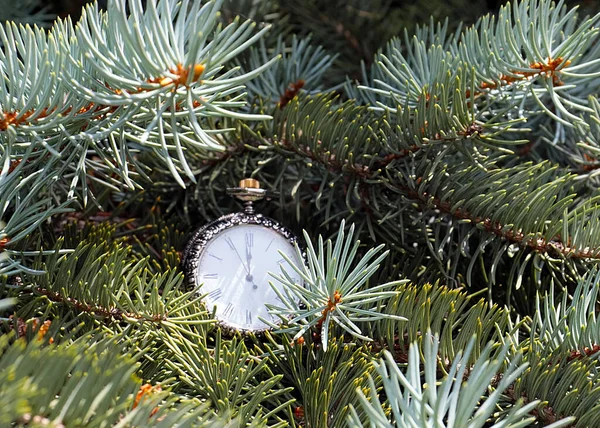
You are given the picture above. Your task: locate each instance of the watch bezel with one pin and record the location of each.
(205, 234)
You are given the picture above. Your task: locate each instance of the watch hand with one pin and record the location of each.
(248, 259)
(249, 243)
(230, 242)
(250, 279)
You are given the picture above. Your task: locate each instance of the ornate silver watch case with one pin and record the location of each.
(203, 236)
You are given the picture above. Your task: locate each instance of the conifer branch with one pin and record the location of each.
(471, 153)
(538, 242)
(554, 247)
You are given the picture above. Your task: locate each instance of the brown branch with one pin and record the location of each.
(15, 118)
(427, 201)
(290, 92)
(546, 414)
(327, 159)
(3, 242)
(336, 166)
(588, 352)
(536, 243)
(549, 68)
(113, 314)
(526, 149)
(591, 164)
(472, 129)
(388, 159)
(331, 305)
(400, 351)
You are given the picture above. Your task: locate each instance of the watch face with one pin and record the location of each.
(233, 267)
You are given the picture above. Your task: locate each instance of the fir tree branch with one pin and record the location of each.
(554, 246)
(458, 405)
(332, 293)
(538, 242)
(67, 384)
(112, 314)
(429, 167)
(105, 281)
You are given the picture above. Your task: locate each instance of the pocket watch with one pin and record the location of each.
(230, 260)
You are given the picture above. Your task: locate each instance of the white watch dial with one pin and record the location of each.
(234, 270)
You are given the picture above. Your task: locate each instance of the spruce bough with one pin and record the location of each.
(469, 152)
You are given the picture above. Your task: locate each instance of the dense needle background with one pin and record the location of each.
(73, 7)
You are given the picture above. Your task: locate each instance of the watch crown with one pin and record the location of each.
(248, 191)
(249, 183)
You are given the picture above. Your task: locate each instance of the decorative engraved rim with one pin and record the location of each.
(201, 238)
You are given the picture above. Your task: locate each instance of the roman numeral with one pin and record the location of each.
(210, 275)
(249, 239)
(228, 310)
(215, 294)
(248, 317)
(280, 261)
(218, 258)
(230, 243)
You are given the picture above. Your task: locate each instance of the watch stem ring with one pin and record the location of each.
(248, 207)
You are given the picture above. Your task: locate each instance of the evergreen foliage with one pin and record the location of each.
(468, 151)
(32, 12)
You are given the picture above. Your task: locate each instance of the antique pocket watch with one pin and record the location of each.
(231, 257)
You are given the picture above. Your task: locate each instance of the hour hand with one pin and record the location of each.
(248, 255)
(249, 245)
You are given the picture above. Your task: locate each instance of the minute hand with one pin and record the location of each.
(231, 244)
